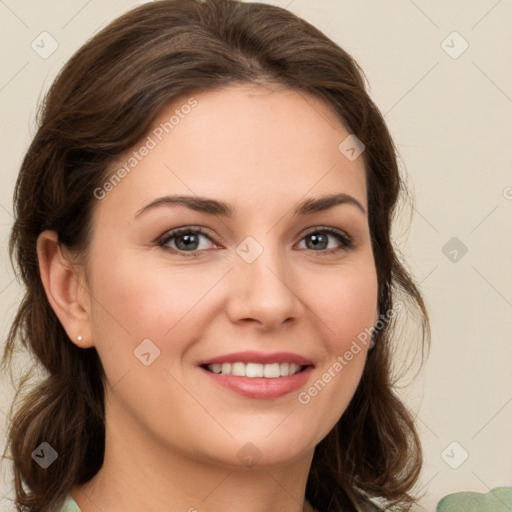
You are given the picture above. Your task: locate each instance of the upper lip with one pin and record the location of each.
(259, 357)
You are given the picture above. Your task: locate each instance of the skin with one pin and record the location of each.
(172, 436)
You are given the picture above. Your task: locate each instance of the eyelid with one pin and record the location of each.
(171, 233)
(346, 240)
(330, 230)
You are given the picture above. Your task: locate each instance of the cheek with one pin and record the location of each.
(348, 310)
(347, 302)
(133, 303)
(144, 301)
(353, 317)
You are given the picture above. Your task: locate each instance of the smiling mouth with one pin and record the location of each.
(255, 370)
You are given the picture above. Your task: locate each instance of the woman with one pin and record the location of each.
(203, 230)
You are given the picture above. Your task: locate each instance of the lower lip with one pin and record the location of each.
(261, 387)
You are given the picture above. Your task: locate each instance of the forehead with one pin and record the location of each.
(240, 143)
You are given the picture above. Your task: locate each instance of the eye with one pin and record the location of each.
(319, 240)
(188, 240)
(184, 240)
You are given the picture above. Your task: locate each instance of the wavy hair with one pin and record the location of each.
(102, 103)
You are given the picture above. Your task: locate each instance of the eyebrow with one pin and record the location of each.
(222, 209)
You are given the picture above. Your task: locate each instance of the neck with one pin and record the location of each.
(139, 472)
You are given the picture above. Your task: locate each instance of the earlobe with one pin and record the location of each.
(65, 288)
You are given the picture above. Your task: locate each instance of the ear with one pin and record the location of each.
(66, 288)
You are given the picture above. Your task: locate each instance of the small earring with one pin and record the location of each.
(79, 338)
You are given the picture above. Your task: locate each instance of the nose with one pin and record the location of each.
(263, 291)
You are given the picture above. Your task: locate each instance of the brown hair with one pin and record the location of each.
(102, 103)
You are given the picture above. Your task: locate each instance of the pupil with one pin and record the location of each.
(317, 239)
(187, 240)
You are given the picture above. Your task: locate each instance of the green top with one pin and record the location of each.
(71, 506)
(497, 500)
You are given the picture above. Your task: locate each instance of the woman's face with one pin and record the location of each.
(265, 284)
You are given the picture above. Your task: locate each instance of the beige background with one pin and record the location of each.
(452, 122)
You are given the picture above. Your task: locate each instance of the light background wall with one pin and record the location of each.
(450, 112)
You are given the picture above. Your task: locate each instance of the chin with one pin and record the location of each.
(273, 451)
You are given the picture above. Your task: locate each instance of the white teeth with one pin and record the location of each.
(253, 370)
(269, 371)
(216, 367)
(294, 368)
(238, 369)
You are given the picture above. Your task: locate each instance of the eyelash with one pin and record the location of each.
(346, 241)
